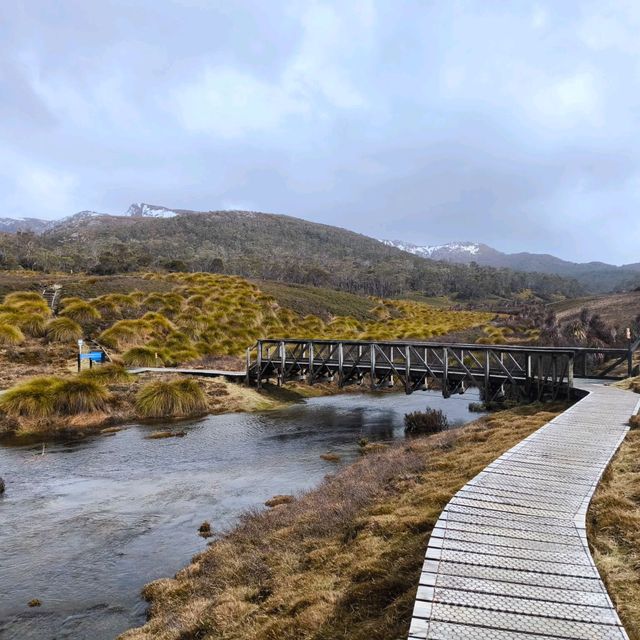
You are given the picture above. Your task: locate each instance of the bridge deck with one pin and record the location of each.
(508, 559)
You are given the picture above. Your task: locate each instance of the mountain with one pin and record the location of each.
(259, 245)
(37, 225)
(596, 277)
(13, 225)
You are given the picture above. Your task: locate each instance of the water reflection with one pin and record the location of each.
(84, 526)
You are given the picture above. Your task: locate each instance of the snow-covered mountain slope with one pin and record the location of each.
(451, 252)
(141, 209)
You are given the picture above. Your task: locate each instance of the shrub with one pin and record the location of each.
(33, 398)
(63, 330)
(125, 333)
(10, 336)
(79, 395)
(81, 312)
(634, 422)
(142, 357)
(179, 398)
(33, 324)
(477, 407)
(18, 297)
(45, 396)
(429, 421)
(106, 373)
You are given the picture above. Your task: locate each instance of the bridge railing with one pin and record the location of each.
(536, 370)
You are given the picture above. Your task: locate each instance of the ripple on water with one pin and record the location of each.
(85, 526)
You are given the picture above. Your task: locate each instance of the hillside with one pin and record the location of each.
(596, 277)
(258, 245)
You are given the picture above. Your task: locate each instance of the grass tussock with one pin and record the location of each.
(63, 330)
(46, 396)
(340, 562)
(423, 422)
(10, 336)
(107, 374)
(179, 398)
(614, 531)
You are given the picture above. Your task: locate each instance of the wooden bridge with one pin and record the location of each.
(526, 372)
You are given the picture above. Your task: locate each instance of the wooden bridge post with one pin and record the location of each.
(372, 373)
(283, 362)
(259, 365)
(247, 378)
(570, 378)
(310, 366)
(340, 364)
(407, 369)
(487, 376)
(445, 372)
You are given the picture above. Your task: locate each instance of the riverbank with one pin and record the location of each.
(614, 526)
(120, 406)
(342, 561)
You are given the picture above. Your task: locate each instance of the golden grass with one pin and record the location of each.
(46, 396)
(10, 336)
(178, 398)
(63, 330)
(614, 532)
(341, 561)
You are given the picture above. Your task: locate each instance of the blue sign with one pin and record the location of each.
(94, 356)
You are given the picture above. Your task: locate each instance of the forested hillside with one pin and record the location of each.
(257, 245)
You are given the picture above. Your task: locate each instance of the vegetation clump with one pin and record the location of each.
(107, 374)
(428, 421)
(10, 336)
(46, 396)
(180, 398)
(63, 330)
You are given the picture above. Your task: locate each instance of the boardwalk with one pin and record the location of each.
(508, 558)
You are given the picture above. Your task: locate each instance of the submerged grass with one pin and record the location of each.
(340, 562)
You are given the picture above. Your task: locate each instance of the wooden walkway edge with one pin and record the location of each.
(508, 558)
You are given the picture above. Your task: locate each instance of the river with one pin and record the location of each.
(86, 524)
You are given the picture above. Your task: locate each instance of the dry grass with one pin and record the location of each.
(340, 562)
(614, 531)
(179, 398)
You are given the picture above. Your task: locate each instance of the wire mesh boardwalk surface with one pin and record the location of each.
(508, 559)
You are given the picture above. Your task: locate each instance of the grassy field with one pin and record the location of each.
(165, 320)
(340, 562)
(619, 309)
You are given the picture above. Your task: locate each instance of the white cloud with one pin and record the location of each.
(229, 103)
(613, 25)
(38, 191)
(565, 99)
(539, 17)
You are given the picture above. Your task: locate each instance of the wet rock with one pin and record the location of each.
(205, 529)
(34, 603)
(1, 486)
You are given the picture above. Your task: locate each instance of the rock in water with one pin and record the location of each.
(1, 486)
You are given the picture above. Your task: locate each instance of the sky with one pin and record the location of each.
(511, 123)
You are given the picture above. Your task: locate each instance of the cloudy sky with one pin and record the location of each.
(512, 123)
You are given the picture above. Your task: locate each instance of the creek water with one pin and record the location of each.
(86, 524)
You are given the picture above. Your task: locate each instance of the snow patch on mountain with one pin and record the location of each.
(436, 251)
(141, 209)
